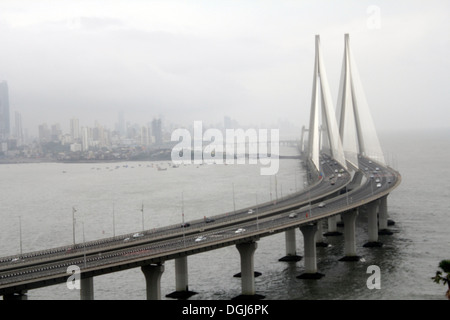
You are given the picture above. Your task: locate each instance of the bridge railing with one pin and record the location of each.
(77, 249)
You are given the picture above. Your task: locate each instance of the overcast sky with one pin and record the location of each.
(201, 60)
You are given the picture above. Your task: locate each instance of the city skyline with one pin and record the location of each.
(209, 59)
(66, 126)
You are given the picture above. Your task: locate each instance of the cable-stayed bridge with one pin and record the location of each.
(346, 171)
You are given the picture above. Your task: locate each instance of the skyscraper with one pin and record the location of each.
(4, 111)
(75, 129)
(121, 124)
(19, 129)
(157, 130)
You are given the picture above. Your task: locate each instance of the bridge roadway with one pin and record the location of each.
(313, 193)
(114, 254)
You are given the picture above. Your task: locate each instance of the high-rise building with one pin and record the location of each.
(75, 129)
(121, 124)
(85, 138)
(56, 132)
(44, 133)
(145, 138)
(19, 128)
(4, 111)
(157, 130)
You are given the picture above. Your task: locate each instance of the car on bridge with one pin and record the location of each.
(322, 204)
(240, 230)
(201, 238)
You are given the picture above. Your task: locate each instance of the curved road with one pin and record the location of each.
(113, 254)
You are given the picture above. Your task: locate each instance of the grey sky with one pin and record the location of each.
(201, 60)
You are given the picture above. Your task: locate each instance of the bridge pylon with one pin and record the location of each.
(356, 126)
(323, 128)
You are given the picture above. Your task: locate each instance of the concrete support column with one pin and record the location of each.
(309, 240)
(332, 227)
(372, 224)
(181, 280)
(291, 247)
(247, 251)
(87, 288)
(319, 235)
(338, 219)
(332, 224)
(372, 220)
(349, 236)
(383, 215)
(153, 275)
(181, 274)
(384, 222)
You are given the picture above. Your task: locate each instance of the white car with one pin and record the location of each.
(250, 211)
(293, 215)
(201, 238)
(322, 204)
(240, 230)
(137, 235)
(378, 185)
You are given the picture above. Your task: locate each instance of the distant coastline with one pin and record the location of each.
(147, 159)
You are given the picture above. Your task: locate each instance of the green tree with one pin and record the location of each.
(445, 266)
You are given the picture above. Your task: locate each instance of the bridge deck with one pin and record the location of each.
(49, 267)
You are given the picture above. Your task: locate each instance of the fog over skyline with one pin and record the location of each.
(202, 60)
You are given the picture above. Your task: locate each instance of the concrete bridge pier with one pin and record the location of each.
(319, 235)
(87, 288)
(181, 280)
(153, 273)
(310, 259)
(291, 247)
(383, 217)
(372, 221)
(332, 227)
(339, 221)
(349, 236)
(247, 252)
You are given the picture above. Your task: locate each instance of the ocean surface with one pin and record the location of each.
(37, 201)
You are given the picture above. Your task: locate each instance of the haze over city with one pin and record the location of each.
(204, 60)
(117, 164)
